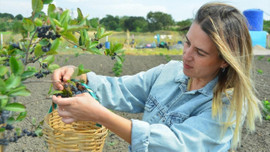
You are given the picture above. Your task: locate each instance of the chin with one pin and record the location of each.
(186, 73)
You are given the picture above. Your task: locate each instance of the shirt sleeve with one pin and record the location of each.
(126, 93)
(197, 133)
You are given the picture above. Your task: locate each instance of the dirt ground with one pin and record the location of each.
(39, 103)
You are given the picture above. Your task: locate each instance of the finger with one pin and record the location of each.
(63, 113)
(62, 101)
(57, 79)
(68, 120)
(68, 73)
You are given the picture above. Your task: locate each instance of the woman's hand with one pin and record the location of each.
(82, 107)
(63, 74)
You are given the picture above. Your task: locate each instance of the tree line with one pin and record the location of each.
(154, 21)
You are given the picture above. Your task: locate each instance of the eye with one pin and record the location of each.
(200, 53)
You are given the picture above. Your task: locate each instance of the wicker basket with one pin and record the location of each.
(77, 136)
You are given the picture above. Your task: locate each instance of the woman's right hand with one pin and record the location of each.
(62, 75)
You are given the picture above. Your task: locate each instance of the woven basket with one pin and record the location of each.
(77, 136)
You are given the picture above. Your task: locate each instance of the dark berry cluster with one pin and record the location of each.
(46, 48)
(99, 46)
(44, 32)
(113, 56)
(16, 46)
(13, 137)
(71, 89)
(43, 72)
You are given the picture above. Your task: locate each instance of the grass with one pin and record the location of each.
(155, 51)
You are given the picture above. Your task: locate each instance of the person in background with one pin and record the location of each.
(198, 104)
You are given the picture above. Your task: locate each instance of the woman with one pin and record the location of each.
(199, 104)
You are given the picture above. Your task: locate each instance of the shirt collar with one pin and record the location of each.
(207, 90)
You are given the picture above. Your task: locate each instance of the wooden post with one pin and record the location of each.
(2, 146)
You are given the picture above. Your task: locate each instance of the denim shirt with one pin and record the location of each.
(174, 119)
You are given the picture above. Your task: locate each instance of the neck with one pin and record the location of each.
(195, 84)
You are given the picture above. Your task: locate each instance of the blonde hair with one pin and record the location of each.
(227, 28)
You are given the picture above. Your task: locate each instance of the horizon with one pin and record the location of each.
(178, 10)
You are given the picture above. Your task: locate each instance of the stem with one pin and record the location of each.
(28, 48)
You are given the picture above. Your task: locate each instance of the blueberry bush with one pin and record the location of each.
(42, 34)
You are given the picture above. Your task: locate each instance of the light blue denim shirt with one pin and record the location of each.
(174, 119)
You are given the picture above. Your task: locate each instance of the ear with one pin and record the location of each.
(224, 64)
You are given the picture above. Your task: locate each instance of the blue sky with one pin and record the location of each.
(179, 9)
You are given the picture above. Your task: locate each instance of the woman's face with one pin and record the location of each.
(200, 56)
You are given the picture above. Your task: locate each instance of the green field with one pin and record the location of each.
(124, 38)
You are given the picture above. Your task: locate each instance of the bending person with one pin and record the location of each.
(198, 104)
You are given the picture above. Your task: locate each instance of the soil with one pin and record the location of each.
(39, 102)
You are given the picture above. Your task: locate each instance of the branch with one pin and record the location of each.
(28, 48)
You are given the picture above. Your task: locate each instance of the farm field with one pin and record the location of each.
(38, 105)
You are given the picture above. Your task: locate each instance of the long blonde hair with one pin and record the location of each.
(227, 28)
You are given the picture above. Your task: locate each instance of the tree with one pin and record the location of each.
(94, 22)
(19, 17)
(184, 25)
(136, 24)
(110, 22)
(6, 16)
(266, 25)
(159, 21)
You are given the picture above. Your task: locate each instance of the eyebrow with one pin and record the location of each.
(197, 47)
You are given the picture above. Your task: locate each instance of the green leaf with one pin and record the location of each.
(80, 15)
(2, 129)
(38, 50)
(72, 28)
(28, 74)
(49, 59)
(44, 42)
(16, 66)
(17, 107)
(55, 44)
(4, 102)
(82, 70)
(47, 1)
(70, 36)
(11, 120)
(3, 86)
(39, 132)
(37, 5)
(19, 91)
(38, 22)
(52, 67)
(3, 70)
(51, 9)
(13, 82)
(92, 44)
(64, 19)
(21, 116)
(28, 25)
(260, 71)
(56, 22)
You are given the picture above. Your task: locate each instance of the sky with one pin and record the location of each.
(178, 9)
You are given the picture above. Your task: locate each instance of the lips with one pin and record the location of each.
(186, 66)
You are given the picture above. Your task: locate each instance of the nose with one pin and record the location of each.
(187, 54)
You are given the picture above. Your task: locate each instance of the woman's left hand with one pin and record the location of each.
(82, 107)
